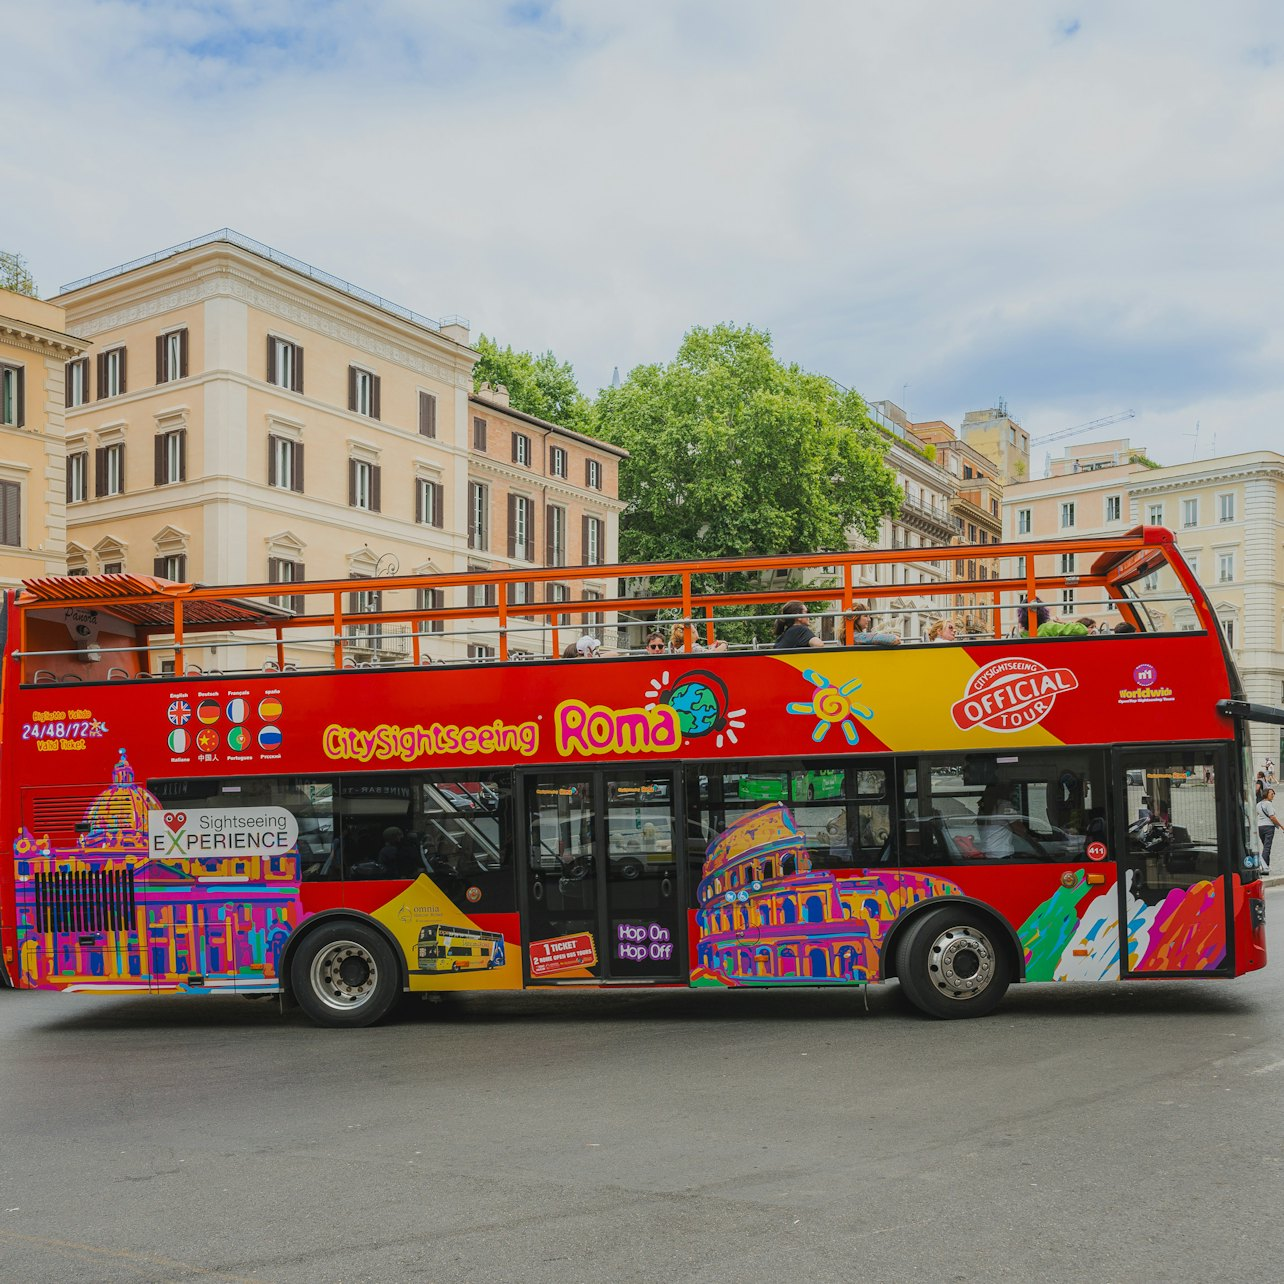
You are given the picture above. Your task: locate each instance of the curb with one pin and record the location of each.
(1273, 880)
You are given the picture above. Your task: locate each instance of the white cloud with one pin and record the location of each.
(966, 199)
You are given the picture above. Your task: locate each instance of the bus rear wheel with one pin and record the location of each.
(344, 974)
(952, 963)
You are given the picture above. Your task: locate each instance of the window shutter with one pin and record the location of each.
(298, 368)
(182, 451)
(376, 488)
(66, 384)
(419, 500)
(100, 470)
(514, 447)
(375, 405)
(158, 567)
(472, 514)
(67, 475)
(427, 414)
(438, 504)
(512, 525)
(271, 359)
(530, 529)
(180, 568)
(274, 570)
(584, 540)
(160, 358)
(21, 381)
(159, 479)
(352, 387)
(588, 472)
(182, 354)
(124, 387)
(297, 447)
(101, 363)
(10, 514)
(352, 483)
(272, 461)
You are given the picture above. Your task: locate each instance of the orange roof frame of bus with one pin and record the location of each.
(157, 606)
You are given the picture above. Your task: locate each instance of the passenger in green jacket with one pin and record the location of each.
(1048, 627)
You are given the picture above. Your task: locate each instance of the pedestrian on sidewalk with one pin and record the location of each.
(1267, 823)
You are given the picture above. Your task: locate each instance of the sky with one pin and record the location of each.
(1077, 208)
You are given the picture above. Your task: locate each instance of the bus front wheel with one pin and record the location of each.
(344, 974)
(952, 963)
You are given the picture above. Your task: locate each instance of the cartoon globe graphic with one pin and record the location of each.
(699, 704)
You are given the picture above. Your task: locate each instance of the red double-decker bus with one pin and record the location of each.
(228, 791)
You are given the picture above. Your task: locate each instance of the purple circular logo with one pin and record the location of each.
(1144, 675)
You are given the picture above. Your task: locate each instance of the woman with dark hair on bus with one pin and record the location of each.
(793, 628)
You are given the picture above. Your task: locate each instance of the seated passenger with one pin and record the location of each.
(675, 640)
(1048, 627)
(793, 628)
(864, 633)
(943, 631)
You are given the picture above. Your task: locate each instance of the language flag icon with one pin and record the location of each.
(179, 740)
(270, 709)
(179, 712)
(269, 737)
(209, 711)
(237, 710)
(207, 740)
(237, 739)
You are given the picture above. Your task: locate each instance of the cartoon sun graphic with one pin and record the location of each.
(700, 700)
(831, 704)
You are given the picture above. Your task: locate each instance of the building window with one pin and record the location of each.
(478, 516)
(521, 528)
(77, 477)
(113, 568)
(1150, 582)
(171, 566)
(427, 415)
(480, 594)
(1067, 601)
(1067, 515)
(12, 396)
(593, 620)
(1190, 512)
(363, 392)
(521, 449)
(1226, 508)
(1154, 514)
(282, 570)
(429, 502)
(363, 485)
(593, 541)
(1067, 563)
(1114, 507)
(171, 356)
(77, 383)
(555, 536)
(593, 474)
(171, 457)
(109, 467)
(479, 434)
(364, 602)
(480, 651)
(557, 461)
(433, 600)
(1024, 516)
(111, 373)
(11, 514)
(1228, 629)
(285, 463)
(284, 364)
(559, 593)
(1225, 568)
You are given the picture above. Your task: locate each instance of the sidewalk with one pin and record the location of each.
(1273, 880)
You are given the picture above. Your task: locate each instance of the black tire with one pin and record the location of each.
(952, 962)
(345, 975)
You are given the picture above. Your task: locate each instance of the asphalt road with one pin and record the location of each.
(1128, 1132)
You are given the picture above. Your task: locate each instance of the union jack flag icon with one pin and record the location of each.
(179, 712)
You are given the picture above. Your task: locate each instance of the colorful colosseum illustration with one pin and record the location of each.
(766, 917)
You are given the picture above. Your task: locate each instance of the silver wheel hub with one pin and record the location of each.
(344, 975)
(961, 963)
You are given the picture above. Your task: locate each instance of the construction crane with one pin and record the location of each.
(1078, 428)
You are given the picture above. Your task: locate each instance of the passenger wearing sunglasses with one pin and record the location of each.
(655, 643)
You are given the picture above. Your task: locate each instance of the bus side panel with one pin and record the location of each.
(1250, 925)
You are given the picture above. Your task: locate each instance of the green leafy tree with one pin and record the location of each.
(542, 386)
(733, 452)
(15, 274)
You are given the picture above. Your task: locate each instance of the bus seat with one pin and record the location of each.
(116, 674)
(71, 677)
(45, 675)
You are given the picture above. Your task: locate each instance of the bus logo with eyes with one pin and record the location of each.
(1011, 694)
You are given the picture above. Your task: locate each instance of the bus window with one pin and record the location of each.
(1026, 806)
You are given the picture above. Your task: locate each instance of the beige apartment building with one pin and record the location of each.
(248, 418)
(1228, 517)
(997, 436)
(34, 351)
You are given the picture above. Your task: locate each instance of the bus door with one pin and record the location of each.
(601, 893)
(1174, 881)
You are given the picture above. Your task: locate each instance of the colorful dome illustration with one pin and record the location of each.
(121, 809)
